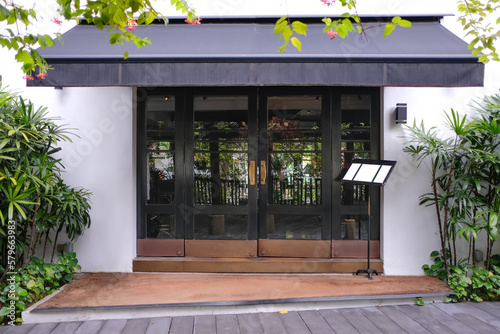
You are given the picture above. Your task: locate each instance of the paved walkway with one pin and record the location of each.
(438, 318)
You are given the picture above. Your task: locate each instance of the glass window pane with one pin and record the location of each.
(160, 226)
(160, 113)
(161, 178)
(221, 227)
(294, 134)
(355, 227)
(355, 128)
(221, 150)
(160, 141)
(294, 227)
(355, 144)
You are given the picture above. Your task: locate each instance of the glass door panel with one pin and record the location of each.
(357, 135)
(221, 167)
(291, 207)
(355, 144)
(294, 155)
(160, 144)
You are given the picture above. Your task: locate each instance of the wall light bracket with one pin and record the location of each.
(401, 113)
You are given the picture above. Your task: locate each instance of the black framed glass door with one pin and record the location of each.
(160, 156)
(254, 171)
(294, 187)
(220, 160)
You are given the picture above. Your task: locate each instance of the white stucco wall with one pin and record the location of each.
(103, 158)
(409, 232)
(103, 161)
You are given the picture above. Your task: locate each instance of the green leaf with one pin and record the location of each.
(348, 24)
(296, 42)
(493, 221)
(388, 29)
(21, 292)
(49, 40)
(4, 13)
(279, 26)
(396, 19)
(299, 28)
(23, 56)
(341, 30)
(98, 23)
(493, 233)
(12, 18)
(477, 51)
(115, 38)
(405, 24)
(4, 311)
(483, 59)
(30, 284)
(120, 17)
(125, 55)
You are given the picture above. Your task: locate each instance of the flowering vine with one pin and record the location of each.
(328, 2)
(349, 22)
(124, 16)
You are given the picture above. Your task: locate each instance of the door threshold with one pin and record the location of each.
(254, 265)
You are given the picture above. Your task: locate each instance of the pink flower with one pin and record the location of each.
(131, 23)
(56, 21)
(195, 21)
(328, 2)
(41, 75)
(332, 34)
(28, 77)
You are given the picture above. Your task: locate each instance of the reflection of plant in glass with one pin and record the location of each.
(286, 135)
(230, 145)
(314, 165)
(288, 129)
(161, 159)
(157, 174)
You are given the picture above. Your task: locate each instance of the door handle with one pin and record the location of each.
(251, 173)
(263, 172)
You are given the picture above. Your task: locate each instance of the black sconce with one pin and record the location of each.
(401, 113)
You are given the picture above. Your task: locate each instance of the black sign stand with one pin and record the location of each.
(369, 172)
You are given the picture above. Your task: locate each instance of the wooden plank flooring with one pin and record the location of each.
(437, 318)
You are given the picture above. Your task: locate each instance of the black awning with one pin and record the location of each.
(244, 54)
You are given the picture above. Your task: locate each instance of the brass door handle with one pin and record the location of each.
(251, 173)
(263, 172)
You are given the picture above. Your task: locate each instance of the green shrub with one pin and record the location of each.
(470, 283)
(30, 283)
(480, 285)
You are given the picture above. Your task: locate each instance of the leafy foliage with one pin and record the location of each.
(32, 282)
(478, 20)
(349, 22)
(33, 195)
(480, 285)
(470, 282)
(465, 178)
(121, 17)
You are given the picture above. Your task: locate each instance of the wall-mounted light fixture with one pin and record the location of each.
(401, 111)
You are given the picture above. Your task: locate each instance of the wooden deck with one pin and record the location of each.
(432, 318)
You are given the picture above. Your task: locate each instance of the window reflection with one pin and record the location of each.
(160, 141)
(355, 144)
(221, 150)
(295, 145)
